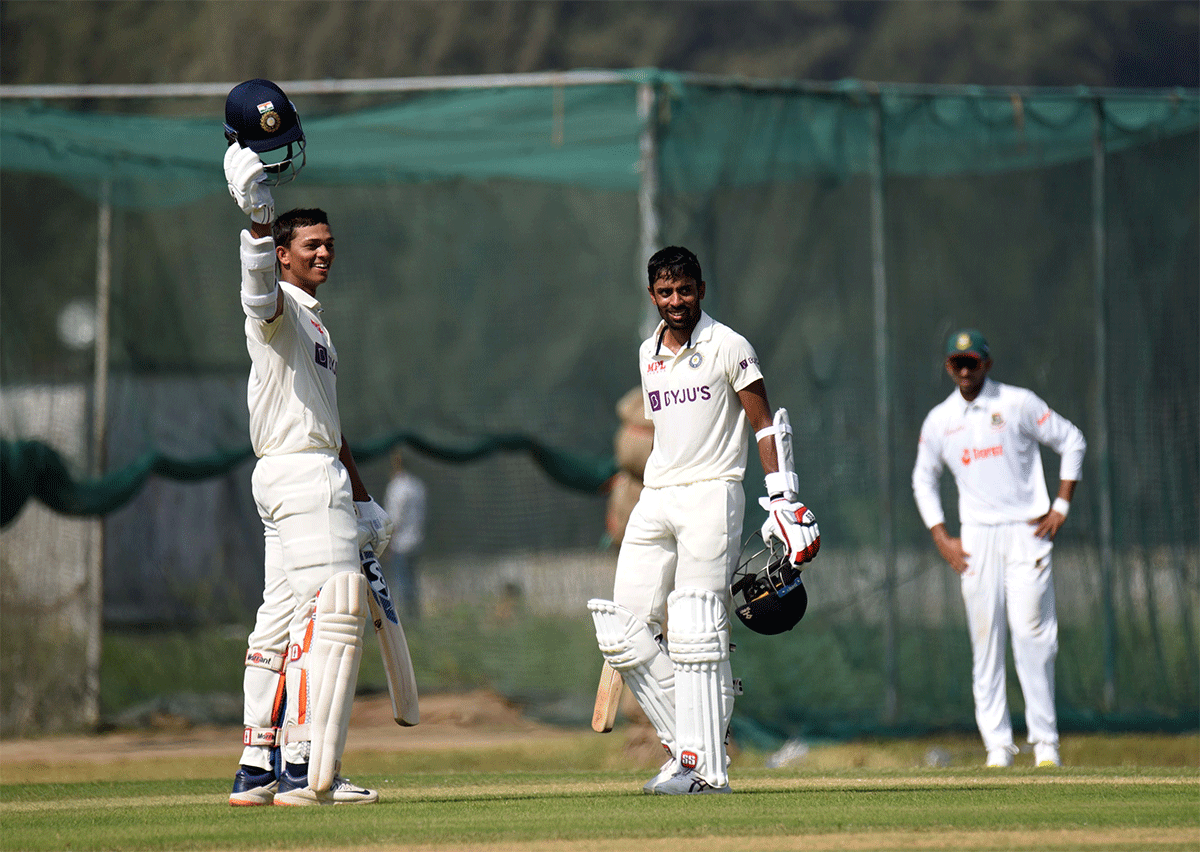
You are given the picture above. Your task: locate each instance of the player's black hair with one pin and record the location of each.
(285, 226)
(674, 263)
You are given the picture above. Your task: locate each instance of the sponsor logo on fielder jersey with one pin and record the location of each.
(665, 399)
(746, 362)
(656, 366)
(970, 454)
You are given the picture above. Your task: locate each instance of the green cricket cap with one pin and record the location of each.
(968, 341)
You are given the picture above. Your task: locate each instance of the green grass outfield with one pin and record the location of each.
(441, 801)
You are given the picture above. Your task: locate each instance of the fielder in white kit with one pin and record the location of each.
(305, 648)
(704, 391)
(988, 435)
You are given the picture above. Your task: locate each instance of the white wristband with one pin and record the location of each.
(1061, 506)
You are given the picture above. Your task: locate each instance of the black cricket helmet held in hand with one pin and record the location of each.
(768, 593)
(259, 116)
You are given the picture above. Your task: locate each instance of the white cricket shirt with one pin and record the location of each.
(991, 446)
(700, 427)
(292, 391)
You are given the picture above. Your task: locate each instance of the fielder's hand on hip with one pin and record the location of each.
(244, 174)
(375, 526)
(793, 524)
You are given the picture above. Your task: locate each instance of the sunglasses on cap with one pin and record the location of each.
(970, 362)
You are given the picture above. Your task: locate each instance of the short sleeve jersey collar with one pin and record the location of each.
(990, 391)
(301, 296)
(700, 334)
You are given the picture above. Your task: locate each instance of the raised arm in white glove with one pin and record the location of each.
(244, 174)
(793, 524)
(374, 526)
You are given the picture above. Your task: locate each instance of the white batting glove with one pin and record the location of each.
(794, 525)
(374, 526)
(244, 174)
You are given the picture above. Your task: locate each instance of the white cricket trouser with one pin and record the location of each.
(678, 537)
(311, 533)
(688, 537)
(1008, 584)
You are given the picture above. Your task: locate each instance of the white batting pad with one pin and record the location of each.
(337, 645)
(698, 638)
(626, 642)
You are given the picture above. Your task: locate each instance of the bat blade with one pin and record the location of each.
(608, 700)
(393, 646)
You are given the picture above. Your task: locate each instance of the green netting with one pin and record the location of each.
(487, 304)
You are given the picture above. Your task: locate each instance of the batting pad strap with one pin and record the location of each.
(268, 660)
(252, 736)
(296, 734)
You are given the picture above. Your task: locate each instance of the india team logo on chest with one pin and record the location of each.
(695, 360)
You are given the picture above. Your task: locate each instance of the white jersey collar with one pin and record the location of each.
(989, 390)
(700, 334)
(301, 296)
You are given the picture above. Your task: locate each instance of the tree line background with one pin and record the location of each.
(1098, 43)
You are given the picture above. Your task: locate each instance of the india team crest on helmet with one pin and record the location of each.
(270, 121)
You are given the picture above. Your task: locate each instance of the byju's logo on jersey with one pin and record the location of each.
(665, 399)
(323, 360)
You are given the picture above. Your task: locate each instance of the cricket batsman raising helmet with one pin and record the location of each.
(666, 630)
(317, 516)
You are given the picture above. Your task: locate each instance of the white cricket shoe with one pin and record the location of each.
(686, 782)
(294, 790)
(1000, 756)
(665, 771)
(253, 786)
(1046, 754)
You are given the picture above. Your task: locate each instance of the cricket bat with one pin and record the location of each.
(608, 700)
(393, 646)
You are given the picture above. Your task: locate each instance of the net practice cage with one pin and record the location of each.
(487, 303)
